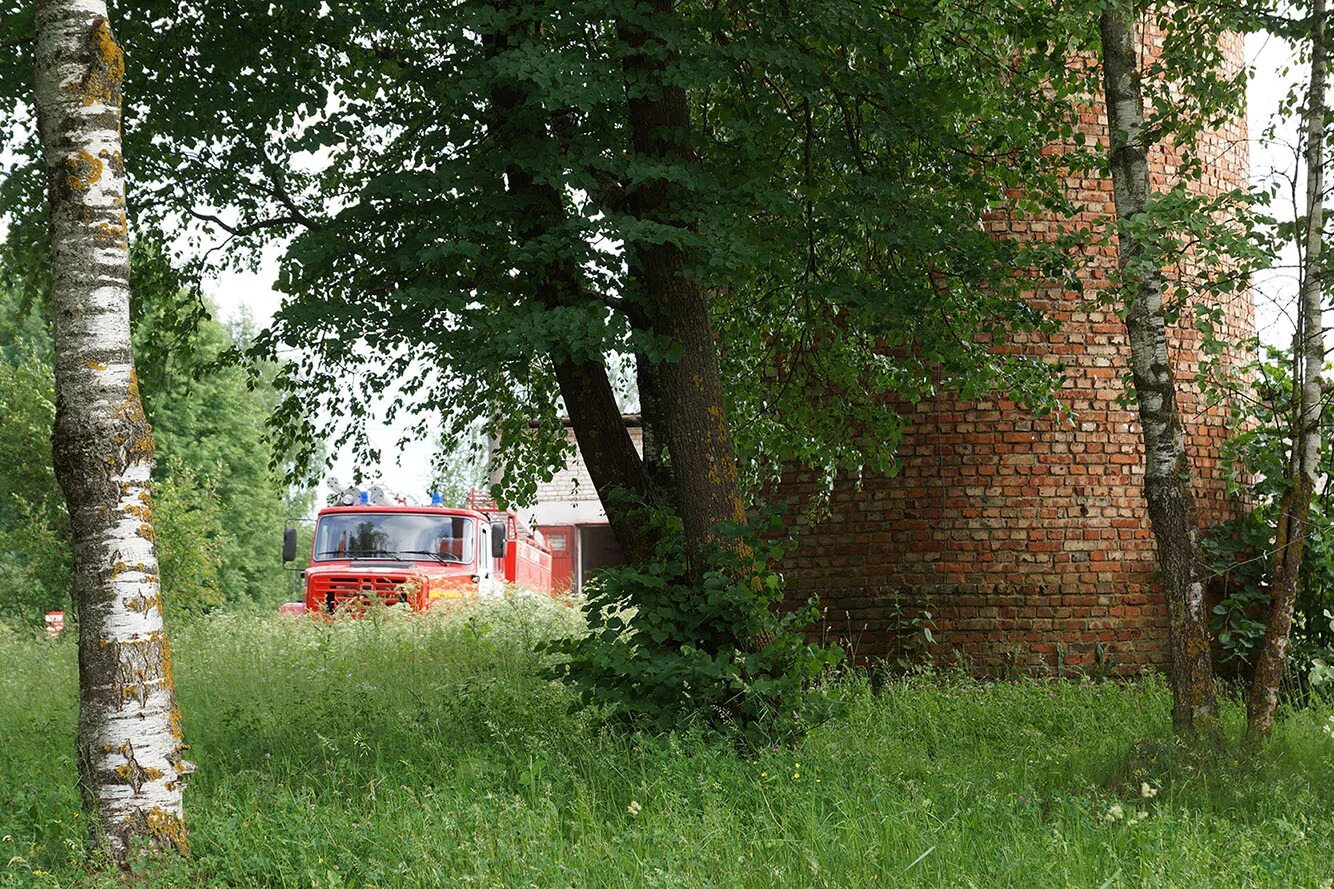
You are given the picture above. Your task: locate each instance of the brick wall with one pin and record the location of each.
(1026, 538)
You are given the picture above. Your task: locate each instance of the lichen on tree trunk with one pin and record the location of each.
(690, 402)
(129, 745)
(1167, 475)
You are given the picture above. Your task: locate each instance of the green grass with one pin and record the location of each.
(431, 753)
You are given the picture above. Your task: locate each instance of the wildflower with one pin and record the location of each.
(633, 808)
(1140, 816)
(1147, 791)
(1115, 813)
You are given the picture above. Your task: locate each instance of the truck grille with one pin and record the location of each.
(334, 591)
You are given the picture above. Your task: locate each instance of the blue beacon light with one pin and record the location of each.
(436, 499)
(365, 498)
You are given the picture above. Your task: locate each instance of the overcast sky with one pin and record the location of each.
(234, 292)
(1273, 291)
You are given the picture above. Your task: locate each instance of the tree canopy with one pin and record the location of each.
(842, 159)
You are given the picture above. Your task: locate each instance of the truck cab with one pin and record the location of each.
(414, 556)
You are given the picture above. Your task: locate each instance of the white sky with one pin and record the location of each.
(410, 473)
(1271, 160)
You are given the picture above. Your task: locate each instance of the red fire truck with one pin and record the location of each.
(415, 555)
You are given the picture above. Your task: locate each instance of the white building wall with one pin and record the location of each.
(570, 498)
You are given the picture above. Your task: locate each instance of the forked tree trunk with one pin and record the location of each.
(129, 746)
(1167, 476)
(1308, 356)
(690, 392)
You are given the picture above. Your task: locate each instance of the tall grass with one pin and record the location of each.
(430, 752)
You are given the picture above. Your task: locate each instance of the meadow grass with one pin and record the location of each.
(431, 752)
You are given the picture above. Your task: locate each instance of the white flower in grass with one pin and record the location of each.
(633, 808)
(1147, 791)
(1115, 813)
(1139, 816)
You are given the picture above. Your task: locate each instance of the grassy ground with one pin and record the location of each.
(430, 753)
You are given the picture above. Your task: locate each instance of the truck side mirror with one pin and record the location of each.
(497, 540)
(289, 544)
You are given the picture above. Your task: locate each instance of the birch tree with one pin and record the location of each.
(1308, 358)
(129, 747)
(1167, 475)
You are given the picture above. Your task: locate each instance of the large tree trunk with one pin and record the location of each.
(691, 403)
(1308, 357)
(650, 415)
(1167, 478)
(615, 467)
(617, 472)
(129, 746)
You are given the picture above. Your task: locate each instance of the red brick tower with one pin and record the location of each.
(1027, 538)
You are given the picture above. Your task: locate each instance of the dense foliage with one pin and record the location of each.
(468, 195)
(425, 753)
(209, 419)
(34, 557)
(844, 160)
(1240, 551)
(668, 648)
(220, 507)
(835, 185)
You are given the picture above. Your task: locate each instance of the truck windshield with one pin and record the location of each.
(395, 535)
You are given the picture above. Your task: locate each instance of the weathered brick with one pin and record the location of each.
(1026, 535)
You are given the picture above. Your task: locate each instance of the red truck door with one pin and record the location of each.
(564, 543)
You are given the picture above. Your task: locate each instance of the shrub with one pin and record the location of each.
(1238, 551)
(190, 537)
(671, 645)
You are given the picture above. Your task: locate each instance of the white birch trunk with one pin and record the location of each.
(129, 745)
(1308, 357)
(1166, 467)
